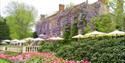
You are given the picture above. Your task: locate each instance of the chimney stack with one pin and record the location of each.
(100, 0)
(103, 1)
(42, 17)
(87, 1)
(61, 7)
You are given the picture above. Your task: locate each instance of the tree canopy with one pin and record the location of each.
(117, 7)
(4, 30)
(103, 23)
(20, 20)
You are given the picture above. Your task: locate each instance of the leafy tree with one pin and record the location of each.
(20, 20)
(103, 23)
(4, 30)
(118, 10)
(35, 35)
(119, 14)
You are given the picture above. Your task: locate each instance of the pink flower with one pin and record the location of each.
(3, 56)
(12, 58)
(20, 57)
(44, 55)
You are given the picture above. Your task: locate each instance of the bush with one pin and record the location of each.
(50, 47)
(35, 59)
(98, 50)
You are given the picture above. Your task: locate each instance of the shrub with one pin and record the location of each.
(97, 50)
(35, 59)
(50, 47)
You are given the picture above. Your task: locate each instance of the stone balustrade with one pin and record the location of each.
(2, 47)
(20, 49)
(30, 49)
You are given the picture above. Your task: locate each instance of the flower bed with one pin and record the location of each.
(43, 57)
(4, 61)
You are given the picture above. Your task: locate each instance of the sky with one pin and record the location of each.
(47, 7)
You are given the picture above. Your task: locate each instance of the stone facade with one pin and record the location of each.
(53, 25)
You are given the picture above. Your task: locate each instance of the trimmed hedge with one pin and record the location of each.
(99, 50)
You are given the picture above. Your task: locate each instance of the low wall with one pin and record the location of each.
(2, 47)
(30, 49)
(14, 49)
(20, 49)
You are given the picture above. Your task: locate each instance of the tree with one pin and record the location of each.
(35, 35)
(20, 20)
(103, 23)
(119, 14)
(118, 10)
(4, 30)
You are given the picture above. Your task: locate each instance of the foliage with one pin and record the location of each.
(103, 23)
(50, 47)
(98, 50)
(118, 10)
(11, 53)
(104, 51)
(67, 33)
(35, 35)
(4, 61)
(74, 28)
(88, 28)
(4, 30)
(20, 20)
(35, 59)
(119, 14)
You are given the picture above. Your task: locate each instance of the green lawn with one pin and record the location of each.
(11, 53)
(4, 61)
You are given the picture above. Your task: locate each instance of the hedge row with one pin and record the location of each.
(99, 50)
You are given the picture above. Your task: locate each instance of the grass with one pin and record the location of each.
(11, 53)
(4, 61)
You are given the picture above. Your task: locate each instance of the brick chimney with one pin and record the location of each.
(103, 8)
(42, 17)
(103, 1)
(61, 7)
